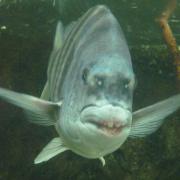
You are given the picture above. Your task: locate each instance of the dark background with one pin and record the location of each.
(26, 36)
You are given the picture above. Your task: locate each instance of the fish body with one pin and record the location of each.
(95, 68)
(89, 91)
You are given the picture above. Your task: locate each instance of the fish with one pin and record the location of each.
(88, 95)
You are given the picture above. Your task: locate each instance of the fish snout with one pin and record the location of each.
(109, 119)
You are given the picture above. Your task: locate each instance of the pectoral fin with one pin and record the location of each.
(40, 111)
(149, 119)
(53, 148)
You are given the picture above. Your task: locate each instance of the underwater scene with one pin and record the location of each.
(89, 89)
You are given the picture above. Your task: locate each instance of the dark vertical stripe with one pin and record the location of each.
(66, 53)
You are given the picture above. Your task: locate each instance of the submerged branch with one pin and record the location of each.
(168, 35)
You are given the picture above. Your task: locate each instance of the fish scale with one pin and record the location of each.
(61, 63)
(57, 70)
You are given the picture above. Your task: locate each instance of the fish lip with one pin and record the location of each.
(94, 105)
(87, 106)
(108, 127)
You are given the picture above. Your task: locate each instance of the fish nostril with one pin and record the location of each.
(86, 106)
(115, 104)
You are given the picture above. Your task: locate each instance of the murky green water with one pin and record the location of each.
(26, 38)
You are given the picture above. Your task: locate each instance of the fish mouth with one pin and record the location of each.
(108, 127)
(109, 120)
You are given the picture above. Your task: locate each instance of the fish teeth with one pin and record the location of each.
(117, 125)
(110, 124)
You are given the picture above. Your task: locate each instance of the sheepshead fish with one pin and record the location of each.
(89, 91)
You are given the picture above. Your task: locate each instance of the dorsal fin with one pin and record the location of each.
(59, 36)
(45, 92)
(58, 42)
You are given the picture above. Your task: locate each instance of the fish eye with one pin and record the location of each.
(127, 83)
(99, 81)
(84, 75)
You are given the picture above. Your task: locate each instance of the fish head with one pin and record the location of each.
(106, 101)
(101, 107)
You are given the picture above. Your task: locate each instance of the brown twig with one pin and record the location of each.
(168, 35)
